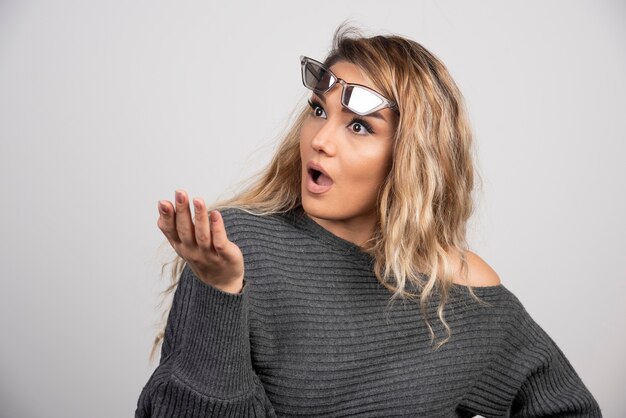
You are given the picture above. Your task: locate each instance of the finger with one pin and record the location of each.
(202, 229)
(184, 225)
(218, 233)
(166, 222)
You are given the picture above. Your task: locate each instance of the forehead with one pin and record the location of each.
(351, 73)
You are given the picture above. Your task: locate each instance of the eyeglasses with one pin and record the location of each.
(358, 98)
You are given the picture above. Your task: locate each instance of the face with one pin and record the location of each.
(355, 151)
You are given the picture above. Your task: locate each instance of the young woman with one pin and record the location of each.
(321, 289)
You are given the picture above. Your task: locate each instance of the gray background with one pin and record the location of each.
(108, 106)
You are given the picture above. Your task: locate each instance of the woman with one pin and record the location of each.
(313, 292)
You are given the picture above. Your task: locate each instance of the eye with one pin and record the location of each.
(316, 107)
(361, 124)
(362, 127)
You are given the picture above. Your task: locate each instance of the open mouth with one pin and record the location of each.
(317, 182)
(320, 178)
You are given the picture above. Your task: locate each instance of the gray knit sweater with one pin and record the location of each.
(312, 334)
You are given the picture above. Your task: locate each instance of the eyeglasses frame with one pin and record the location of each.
(385, 102)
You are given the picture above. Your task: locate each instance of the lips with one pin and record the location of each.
(322, 183)
(312, 165)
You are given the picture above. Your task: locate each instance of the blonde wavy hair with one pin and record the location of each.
(425, 201)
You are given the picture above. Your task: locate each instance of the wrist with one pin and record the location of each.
(233, 289)
(230, 286)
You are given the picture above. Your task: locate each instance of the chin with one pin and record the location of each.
(314, 208)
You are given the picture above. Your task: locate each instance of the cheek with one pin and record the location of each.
(307, 132)
(302, 136)
(371, 167)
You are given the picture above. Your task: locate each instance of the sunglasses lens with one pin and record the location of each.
(316, 77)
(360, 100)
(356, 98)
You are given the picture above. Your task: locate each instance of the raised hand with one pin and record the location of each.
(204, 245)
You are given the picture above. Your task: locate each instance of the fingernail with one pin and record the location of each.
(162, 207)
(196, 204)
(179, 197)
(214, 216)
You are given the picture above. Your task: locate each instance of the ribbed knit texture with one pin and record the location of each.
(312, 334)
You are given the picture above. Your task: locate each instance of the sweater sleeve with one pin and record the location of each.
(205, 368)
(529, 376)
(549, 386)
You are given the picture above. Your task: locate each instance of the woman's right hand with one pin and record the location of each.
(211, 256)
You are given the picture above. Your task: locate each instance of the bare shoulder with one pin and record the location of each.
(480, 272)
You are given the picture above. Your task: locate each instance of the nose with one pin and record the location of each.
(324, 139)
(329, 129)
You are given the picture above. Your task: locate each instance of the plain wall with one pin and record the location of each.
(108, 106)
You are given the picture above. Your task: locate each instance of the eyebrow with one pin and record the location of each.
(376, 114)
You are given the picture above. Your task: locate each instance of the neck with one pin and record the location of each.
(357, 230)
